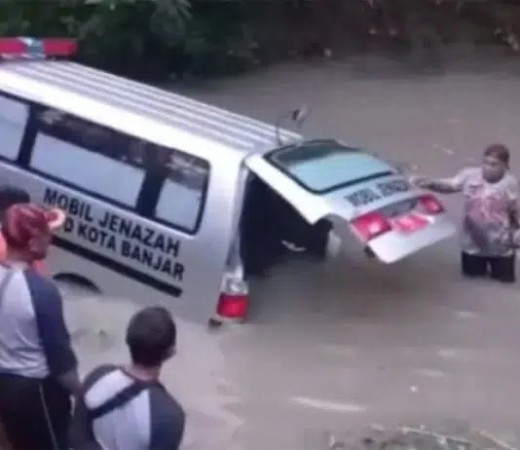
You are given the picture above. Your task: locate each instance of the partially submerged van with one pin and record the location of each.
(176, 202)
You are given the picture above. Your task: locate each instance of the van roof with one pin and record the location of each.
(190, 116)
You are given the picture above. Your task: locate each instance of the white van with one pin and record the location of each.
(173, 201)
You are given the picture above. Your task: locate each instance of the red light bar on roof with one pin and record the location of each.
(13, 48)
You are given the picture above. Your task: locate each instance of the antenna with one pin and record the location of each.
(297, 116)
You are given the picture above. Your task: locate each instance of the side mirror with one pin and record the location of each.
(300, 115)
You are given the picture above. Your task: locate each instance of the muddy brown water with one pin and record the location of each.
(338, 346)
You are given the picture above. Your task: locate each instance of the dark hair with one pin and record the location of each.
(150, 336)
(11, 195)
(498, 151)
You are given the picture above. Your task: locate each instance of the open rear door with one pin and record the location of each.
(311, 207)
(317, 178)
(357, 193)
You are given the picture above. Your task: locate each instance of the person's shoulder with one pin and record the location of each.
(162, 402)
(44, 291)
(167, 419)
(39, 282)
(510, 185)
(510, 178)
(97, 374)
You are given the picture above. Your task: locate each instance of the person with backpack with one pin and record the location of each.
(38, 367)
(126, 407)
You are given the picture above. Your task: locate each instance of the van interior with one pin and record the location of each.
(271, 228)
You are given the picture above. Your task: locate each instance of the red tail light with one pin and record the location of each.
(234, 299)
(431, 205)
(371, 225)
(233, 306)
(27, 47)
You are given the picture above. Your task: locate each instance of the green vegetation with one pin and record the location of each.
(163, 38)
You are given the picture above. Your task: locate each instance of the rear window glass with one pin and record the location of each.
(325, 166)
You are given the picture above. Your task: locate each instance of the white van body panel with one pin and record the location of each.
(137, 108)
(195, 258)
(217, 136)
(113, 236)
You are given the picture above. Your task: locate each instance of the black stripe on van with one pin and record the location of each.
(104, 261)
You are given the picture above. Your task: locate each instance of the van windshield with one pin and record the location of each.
(324, 166)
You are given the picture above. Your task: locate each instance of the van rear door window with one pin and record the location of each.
(324, 166)
(182, 197)
(91, 157)
(13, 119)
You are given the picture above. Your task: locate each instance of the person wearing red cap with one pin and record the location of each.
(38, 367)
(12, 195)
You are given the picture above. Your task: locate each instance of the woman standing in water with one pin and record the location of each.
(490, 214)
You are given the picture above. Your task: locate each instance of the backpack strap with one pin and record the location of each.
(117, 401)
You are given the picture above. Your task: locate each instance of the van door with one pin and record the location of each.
(356, 192)
(311, 208)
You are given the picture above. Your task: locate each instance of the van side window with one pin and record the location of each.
(182, 196)
(91, 157)
(13, 118)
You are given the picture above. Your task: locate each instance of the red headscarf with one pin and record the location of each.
(26, 228)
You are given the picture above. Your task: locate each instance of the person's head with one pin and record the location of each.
(151, 337)
(496, 162)
(26, 231)
(11, 195)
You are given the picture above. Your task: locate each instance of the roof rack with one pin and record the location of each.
(31, 48)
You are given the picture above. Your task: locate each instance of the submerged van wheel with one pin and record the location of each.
(214, 324)
(369, 253)
(74, 281)
(318, 239)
